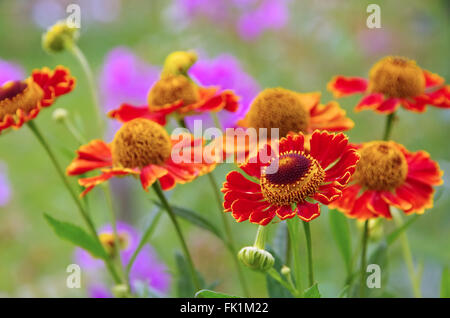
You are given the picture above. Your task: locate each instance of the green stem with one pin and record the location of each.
(309, 250)
(147, 234)
(261, 237)
(388, 127)
(230, 241)
(81, 58)
(293, 237)
(77, 202)
(216, 120)
(230, 244)
(289, 286)
(364, 239)
(407, 256)
(75, 132)
(173, 218)
(116, 247)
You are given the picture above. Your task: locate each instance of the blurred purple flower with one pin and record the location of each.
(146, 268)
(125, 79)
(252, 17)
(269, 15)
(10, 71)
(226, 72)
(5, 190)
(99, 291)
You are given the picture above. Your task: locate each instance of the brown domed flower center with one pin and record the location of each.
(139, 143)
(396, 77)
(298, 176)
(16, 95)
(278, 108)
(382, 166)
(108, 241)
(173, 88)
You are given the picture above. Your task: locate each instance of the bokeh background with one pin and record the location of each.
(298, 45)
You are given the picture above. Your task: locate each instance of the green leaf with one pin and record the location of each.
(205, 293)
(185, 284)
(76, 235)
(341, 234)
(195, 219)
(312, 292)
(274, 288)
(280, 242)
(445, 283)
(344, 292)
(392, 237)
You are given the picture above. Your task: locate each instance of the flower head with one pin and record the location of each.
(301, 178)
(290, 111)
(141, 148)
(59, 37)
(21, 101)
(146, 268)
(394, 81)
(176, 93)
(389, 175)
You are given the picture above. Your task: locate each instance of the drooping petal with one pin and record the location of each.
(286, 212)
(262, 215)
(54, 83)
(90, 183)
(326, 148)
(308, 211)
(329, 117)
(422, 168)
(361, 209)
(236, 181)
(96, 154)
(370, 101)
(150, 174)
(378, 206)
(342, 86)
(242, 208)
(127, 112)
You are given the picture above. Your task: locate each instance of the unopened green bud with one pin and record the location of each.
(60, 114)
(256, 258)
(59, 37)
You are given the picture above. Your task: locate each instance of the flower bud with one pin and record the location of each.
(285, 271)
(121, 291)
(59, 37)
(256, 258)
(60, 114)
(178, 62)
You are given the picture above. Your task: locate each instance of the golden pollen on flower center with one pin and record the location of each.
(396, 77)
(108, 241)
(173, 88)
(139, 143)
(382, 166)
(278, 108)
(16, 95)
(298, 176)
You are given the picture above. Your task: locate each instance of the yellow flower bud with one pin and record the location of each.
(121, 291)
(178, 62)
(59, 37)
(60, 114)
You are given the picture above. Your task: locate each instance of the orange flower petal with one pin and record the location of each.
(308, 211)
(127, 112)
(93, 155)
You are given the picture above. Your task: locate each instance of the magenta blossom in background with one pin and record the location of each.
(9, 71)
(5, 189)
(250, 17)
(125, 78)
(146, 268)
(226, 72)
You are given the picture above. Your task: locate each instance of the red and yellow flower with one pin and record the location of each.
(302, 178)
(21, 101)
(389, 175)
(176, 93)
(290, 111)
(141, 148)
(394, 81)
